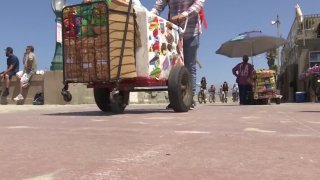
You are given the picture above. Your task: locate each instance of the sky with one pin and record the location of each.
(32, 22)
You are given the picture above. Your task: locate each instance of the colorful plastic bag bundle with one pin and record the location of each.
(314, 69)
(262, 73)
(265, 81)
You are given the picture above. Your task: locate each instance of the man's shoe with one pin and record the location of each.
(169, 106)
(5, 93)
(25, 85)
(191, 107)
(18, 98)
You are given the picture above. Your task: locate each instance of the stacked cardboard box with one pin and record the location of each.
(71, 57)
(95, 56)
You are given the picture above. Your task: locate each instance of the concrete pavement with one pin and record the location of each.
(214, 141)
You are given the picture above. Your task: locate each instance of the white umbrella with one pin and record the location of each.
(250, 43)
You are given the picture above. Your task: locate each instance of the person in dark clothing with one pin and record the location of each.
(12, 69)
(203, 83)
(244, 73)
(225, 89)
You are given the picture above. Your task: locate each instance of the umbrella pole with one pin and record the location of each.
(252, 54)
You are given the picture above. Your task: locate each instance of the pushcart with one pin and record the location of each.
(116, 49)
(264, 87)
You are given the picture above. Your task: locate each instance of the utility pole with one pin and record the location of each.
(277, 22)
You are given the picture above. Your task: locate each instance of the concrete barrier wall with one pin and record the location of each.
(36, 85)
(51, 84)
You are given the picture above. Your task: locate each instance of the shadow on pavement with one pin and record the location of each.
(310, 111)
(100, 113)
(222, 105)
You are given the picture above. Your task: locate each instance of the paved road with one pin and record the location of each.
(220, 141)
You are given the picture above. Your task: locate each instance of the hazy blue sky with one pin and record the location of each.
(32, 22)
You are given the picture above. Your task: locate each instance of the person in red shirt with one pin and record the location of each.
(244, 71)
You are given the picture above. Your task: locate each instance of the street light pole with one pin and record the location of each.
(57, 61)
(277, 22)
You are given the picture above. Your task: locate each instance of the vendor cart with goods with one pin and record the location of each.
(115, 49)
(264, 87)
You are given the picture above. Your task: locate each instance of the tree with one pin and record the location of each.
(271, 56)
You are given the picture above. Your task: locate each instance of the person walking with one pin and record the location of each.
(179, 11)
(244, 73)
(30, 68)
(12, 69)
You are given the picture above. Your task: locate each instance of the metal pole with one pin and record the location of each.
(57, 61)
(278, 50)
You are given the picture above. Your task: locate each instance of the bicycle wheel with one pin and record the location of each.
(210, 99)
(200, 97)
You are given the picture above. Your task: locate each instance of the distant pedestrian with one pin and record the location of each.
(12, 69)
(29, 69)
(244, 73)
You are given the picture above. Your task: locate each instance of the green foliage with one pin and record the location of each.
(271, 56)
(275, 68)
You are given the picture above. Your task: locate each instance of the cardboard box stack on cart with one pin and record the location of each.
(264, 84)
(92, 43)
(92, 39)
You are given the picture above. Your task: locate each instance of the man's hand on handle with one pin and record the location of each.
(178, 19)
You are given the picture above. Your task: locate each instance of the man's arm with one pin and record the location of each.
(9, 69)
(251, 69)
(194, 9)
(159, 6)
(30, 61)
(235, 69)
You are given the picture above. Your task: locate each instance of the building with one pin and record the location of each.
(301, 52)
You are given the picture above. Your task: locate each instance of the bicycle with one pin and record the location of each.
(223, 97)
(201, 96)
(212, 98)
(235, 97)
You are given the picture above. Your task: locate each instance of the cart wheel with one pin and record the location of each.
(265, 101)
(102, 99)
(66, 95)
(278, 101)
(199, 97)
(120, 101)
(179, 89)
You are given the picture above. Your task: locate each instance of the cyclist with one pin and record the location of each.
(203, 83)
(221, 94)
(225, 89)
(235, 92)
(203, 86)
(212, 91)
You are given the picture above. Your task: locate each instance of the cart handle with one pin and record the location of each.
(182, 31)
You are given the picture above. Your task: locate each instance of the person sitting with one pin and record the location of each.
(12, 69)
(30, 68)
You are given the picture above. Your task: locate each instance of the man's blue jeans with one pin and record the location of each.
(190, 49)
